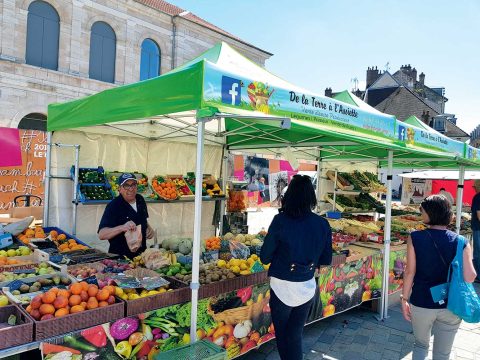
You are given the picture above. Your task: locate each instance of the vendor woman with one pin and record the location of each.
(123, 214)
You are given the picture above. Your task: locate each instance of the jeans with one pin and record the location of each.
(476, 252)
(288, 323)
(443, 323)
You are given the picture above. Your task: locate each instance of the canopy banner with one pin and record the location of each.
(414, 136)
(226, 90)
(472, 153)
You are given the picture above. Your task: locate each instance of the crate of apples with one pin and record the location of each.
(77, 298)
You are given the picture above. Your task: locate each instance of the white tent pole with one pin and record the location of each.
(319, 174)
(386, 239)
(75, 190)
(461, 183)
(224, 176)
(197, 229)
(46, 199)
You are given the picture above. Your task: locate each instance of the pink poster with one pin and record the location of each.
(11, 152)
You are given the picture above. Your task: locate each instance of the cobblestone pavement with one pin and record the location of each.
(357, 334)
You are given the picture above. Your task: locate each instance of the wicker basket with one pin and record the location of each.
(179, 294)
(62, 325)
(16, 335)
(225, 286)
(237, 315)
(200, 350)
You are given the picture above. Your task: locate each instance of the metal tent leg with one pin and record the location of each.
(461, 182)
(46, 200)
(197, 230)
(388, 225)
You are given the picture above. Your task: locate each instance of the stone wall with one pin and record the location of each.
(25, 89)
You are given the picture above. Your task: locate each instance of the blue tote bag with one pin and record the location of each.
(463, 301)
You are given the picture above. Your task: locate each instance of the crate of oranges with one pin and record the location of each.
(165, 189)
(81, 305)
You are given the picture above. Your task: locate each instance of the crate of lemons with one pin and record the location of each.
(133, 294)
(242, 266)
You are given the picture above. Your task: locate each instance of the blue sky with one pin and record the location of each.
(327, 43)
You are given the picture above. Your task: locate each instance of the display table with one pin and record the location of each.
(226, 306)
(239, 319)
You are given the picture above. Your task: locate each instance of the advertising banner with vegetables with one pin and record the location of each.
(347, 285)
(226, 90)
(398, 263)
(238, 321)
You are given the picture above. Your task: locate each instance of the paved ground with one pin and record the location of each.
(357, 335)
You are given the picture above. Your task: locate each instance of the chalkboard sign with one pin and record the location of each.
(15, 285)
(91, 280)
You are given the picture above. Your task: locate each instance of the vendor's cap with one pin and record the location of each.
(476, 184)
(125, 177)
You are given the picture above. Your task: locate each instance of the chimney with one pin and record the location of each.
(328, 92)
(421, 79)
(414, 75)
(372, 75)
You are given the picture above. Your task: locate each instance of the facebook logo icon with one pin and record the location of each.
(402, 133)
(231, 91)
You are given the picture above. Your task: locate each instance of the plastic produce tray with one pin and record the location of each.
(200, 350)
(101, 175)
(83, 197)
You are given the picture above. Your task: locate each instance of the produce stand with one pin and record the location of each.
(282, 115)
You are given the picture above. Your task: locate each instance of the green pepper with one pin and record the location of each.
(77, 344)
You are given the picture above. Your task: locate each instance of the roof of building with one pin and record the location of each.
(374, 97)
(453, 131)
(173, 10)
(403, 103)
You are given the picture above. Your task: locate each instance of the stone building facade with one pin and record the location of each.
(27, 89)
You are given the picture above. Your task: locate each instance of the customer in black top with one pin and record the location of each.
(297, 243)
(476, 228)
(435, 248)
(122, 214)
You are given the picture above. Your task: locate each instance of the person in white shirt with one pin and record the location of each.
(447, 195)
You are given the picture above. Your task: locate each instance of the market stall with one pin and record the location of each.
(226, 101)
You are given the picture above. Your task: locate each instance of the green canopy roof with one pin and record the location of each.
(252, 109)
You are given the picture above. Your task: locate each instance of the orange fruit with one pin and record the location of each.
(76, 309)
(102, 304)
(84, 285)
(92, 303)
(64, 293)
(74, 300)
(36, 302)
(76, 288)
(55, 290)
(29, 309)
(61, 312)
(111, 289)
(84, 295)
(46, 309)
(103, 295)
(60, 302)
(92, 290)
(49, 297)
(83, 304)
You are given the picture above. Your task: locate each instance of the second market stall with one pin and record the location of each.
(228, 101)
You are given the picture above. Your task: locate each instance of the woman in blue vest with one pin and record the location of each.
(297, 243)
(435, 249)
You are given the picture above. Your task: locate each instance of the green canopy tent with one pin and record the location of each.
(224, 99)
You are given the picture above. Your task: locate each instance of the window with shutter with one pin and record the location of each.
(102, 52)
(149, 60)
(43, 29)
